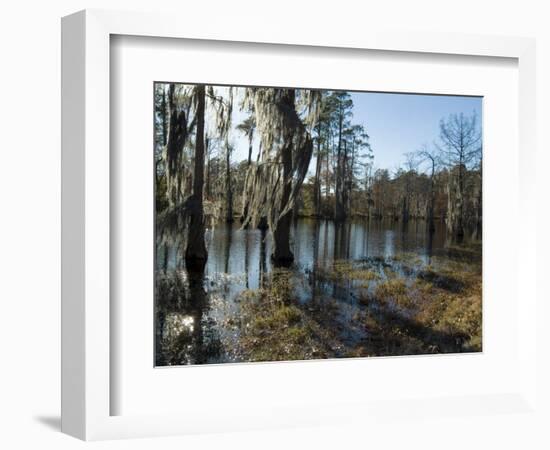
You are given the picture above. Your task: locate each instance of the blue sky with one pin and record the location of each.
(396, 123)
(401, 123)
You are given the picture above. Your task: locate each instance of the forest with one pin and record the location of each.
(262, 181)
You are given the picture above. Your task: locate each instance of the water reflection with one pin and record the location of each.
(235, 251)
(196, 312)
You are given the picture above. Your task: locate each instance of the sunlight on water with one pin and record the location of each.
(202, 322)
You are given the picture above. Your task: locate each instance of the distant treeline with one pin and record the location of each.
(403, 195)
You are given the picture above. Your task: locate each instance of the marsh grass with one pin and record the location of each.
(402, 307)
(417, 310)
(449, 280)
(439, 311)
(456, 312)
(395, 290)
(273, 327)
(342, 270)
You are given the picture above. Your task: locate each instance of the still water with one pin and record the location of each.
(197, 325)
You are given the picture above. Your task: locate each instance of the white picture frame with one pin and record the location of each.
(86, 324)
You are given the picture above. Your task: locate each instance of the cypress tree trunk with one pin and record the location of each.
(228, 187)
(460, 202)
(431, 206)
(327, 176)
(407, 214)
(479, 209)
(455, 208)
(250, 142)
(344, 184)
(195, 253)
(207, 183)
(405, 210)
(317, 183)
(281, 253)
(177, 137)
(164, 118)
(248, 128)
(349, 182)
(339, 205)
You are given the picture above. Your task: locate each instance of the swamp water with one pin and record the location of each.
(361, 288)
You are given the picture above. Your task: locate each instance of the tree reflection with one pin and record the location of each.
(337, 265)
(246, 258)
(185, 334)
(429, 246)
(263, 258)
(315, 262)
(228, 237)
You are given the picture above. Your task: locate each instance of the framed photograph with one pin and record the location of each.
(283, 234)
(266, 231)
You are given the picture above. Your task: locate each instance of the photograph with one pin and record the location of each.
(297, 224)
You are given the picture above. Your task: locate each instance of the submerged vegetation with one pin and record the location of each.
(392, 262)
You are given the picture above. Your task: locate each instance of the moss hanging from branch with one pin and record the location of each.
(272, 184)
(179, 135)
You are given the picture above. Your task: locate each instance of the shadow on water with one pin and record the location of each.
(199, 316)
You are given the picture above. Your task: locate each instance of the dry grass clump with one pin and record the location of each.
(455, 313)
(407, 257)
(449, 280)
(389, 335)
(438, 312)
(395, 290)
(344, 270)
(273, 328)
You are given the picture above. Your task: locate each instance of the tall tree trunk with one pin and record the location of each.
(228, 187)
(350, 180)
(164, 121)
(177, 137)
(244, 212)
(455, 205)
(460, 202)
(344, 182)
(164, 117)
(262, 260)
(227, 246)
(431, 212)
(405, 210)
(263, 224)
(339, 213)
(195, 253)
(207, 153)
(296, 208)
(317, 182)
(246, 271)
(450, 214)
(250, 142)
(281, 253)
(479, 209)
(327, 176)
(247, 127)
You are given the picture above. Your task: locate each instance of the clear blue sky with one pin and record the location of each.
(396, 123)
(401, 123)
